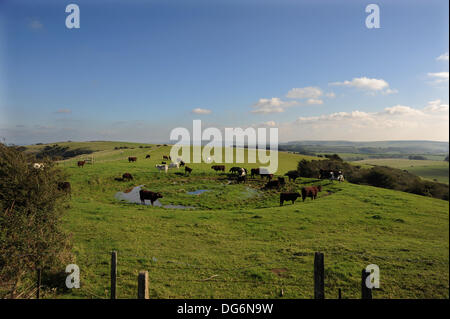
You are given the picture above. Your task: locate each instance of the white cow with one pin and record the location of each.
(38, 165)
(174, 165)
(162, 168)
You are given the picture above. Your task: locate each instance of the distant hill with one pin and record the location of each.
(378, 147)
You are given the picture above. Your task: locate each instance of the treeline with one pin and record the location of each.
(379, 176)
(58, 152)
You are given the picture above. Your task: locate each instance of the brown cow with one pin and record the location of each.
(187, 170)
(81, 163)
(127, 176)
(311, 192)
(218, 168)
(132, 159)
(152, 196)
(288, 196)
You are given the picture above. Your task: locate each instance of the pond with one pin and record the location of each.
(132, 196)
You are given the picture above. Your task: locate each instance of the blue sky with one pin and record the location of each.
(137, 69)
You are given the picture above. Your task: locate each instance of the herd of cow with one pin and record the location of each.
(241, 176)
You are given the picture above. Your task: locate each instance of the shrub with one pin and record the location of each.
(31, 207)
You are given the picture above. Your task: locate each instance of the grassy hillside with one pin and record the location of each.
(431, 170)
(239, 243)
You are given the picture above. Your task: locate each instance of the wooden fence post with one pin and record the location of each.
(143, 285)
(319, 276)
(366, 293)
(38, 283)
(113, 274)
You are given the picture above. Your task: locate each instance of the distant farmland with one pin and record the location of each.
(430, 170)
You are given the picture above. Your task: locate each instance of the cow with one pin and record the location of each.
(340, 178)
(127, 176)
(242, 178)
(152, 196)
(132, 159)
(163, 162)
(182, 163)
(81, 163)
(162, 168)
(165, 157)
(187, 170)
(218, 168)
(292, 175)
(174, 165)
(38, 165)
(64, 186)
(254, 171)
(311, 192)
(288, 196)
(147, 156)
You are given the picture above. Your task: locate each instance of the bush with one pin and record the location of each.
(379, 176)
(31, 208)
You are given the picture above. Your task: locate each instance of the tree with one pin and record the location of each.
(31, 208)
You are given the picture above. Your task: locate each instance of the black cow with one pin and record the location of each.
(187, 170)
(293, 175)
(148, 156)
(152, 196)
(288, 196)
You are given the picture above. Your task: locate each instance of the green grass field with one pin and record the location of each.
(427, 169)
(239, 243)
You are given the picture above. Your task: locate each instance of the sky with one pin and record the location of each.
(135, 70)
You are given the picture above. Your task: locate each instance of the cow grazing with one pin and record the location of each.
(132, 159)
(174, 165)
(292, 175)
(152, 196)
(127, 176)
(162, 168)
(218, 168)
(81, 163)
(187, 170)
(64, 186)
(165, 157)
(288, 196)
(147, 156)
(311, 192)
(254, 171)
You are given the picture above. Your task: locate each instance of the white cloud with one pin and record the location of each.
(436, 106)
(201, 111)
(443, 57)
(273, 105)
(367, 84)
(309, 92)
(398, 122)
(314, 101)
(330, 95)
(438, 76)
